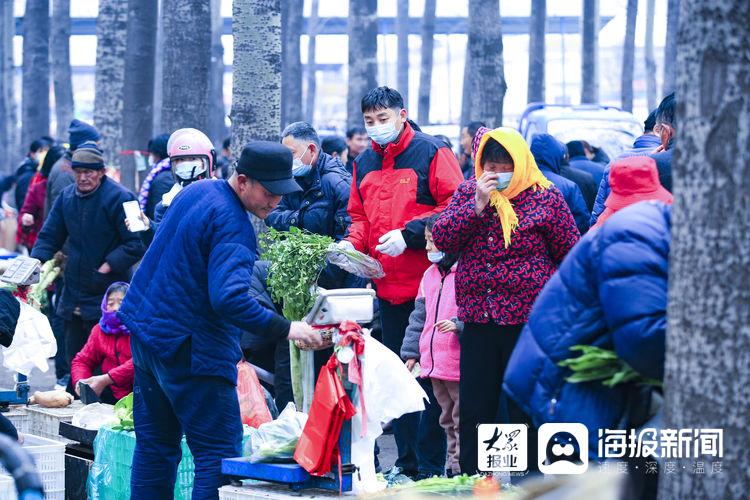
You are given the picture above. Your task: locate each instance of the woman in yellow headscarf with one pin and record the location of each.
(511, 228)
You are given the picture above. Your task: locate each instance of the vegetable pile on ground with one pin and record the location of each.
(602, 364)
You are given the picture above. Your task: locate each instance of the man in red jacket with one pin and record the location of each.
(396, 185)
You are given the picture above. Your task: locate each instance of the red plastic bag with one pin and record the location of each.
(317, 448)
(253, 407)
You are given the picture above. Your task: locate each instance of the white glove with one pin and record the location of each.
(392, 243)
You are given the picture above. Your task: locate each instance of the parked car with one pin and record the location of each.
(606, 127)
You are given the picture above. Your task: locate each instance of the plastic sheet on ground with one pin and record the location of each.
(275, 441)
(33, 343)
(383, 371)
(109, 477)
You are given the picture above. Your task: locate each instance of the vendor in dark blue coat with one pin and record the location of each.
(186, 307)
(610, 292)
(88, 215)
(549, 154)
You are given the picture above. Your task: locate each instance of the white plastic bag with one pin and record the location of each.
(33, 343)
(382, 372)
(276, 440)
(95, 415)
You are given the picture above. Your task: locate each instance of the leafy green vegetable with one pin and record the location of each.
(602, 364)
(297, 258)
(124, 414)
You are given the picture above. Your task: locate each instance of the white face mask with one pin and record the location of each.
(300, 169)
(435, 257)
(187, 170)
(383, 134)
(503, 180)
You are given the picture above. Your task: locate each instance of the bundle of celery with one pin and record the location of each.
(47, 275)
(296, 258)
(602, 364)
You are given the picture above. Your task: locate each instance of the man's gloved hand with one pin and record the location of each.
(392, 243)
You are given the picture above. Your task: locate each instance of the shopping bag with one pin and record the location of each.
(253, 408)
(33, 343)
(317, 448)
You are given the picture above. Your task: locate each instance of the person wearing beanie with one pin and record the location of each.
(88, 218)
(632, 180)
(61, 175)
(186, 305)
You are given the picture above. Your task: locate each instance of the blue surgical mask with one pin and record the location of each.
(383, 134)
(503, 180)
(435, 257)
(300, 169)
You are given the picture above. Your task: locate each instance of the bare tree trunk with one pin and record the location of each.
(217, 128)
(138, 86)
(6, 9)
(402, 49)
(159, 73)
(256, 91)
(35, 87)
(484, 79)
(537, 32)
(187, 58)
(670, 46)
(312, 70)
(363, 56)
(9, 79)
(61, 74)
(111, 35)
(650, 60)
(291, 74)
(707, 372)
(628, 57)
(590, 52)
(425, 70)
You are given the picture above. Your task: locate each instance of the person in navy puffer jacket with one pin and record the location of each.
(549, 154)
(185, 308)
(610, 292)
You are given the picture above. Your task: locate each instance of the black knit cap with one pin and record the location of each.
(269, 163)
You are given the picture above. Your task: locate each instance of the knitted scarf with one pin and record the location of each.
(160, 167)
(526, 174)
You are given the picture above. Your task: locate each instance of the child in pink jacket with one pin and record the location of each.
(432, 339)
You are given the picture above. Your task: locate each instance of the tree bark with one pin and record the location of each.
(670, 46)
(35, 88)
(6, 95)
(707, 368)
(291, 74)
(425, 70)
(590, 52)
(217, 128)
(9, 80)
(61, 73)
(402, 49)
(138, 86)
(186, 64)
(111, 35)
(628, 57)
(484, 80)
(363, 56)
(650, 60)
(159, 72)
(311, 65)
(256, 90)
(537, 32)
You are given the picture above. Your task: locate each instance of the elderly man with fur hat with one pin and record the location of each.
(89, 216)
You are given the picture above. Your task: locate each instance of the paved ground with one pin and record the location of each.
(39, 381)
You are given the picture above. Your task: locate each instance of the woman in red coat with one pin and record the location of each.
(107, 348)
(31, 215)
